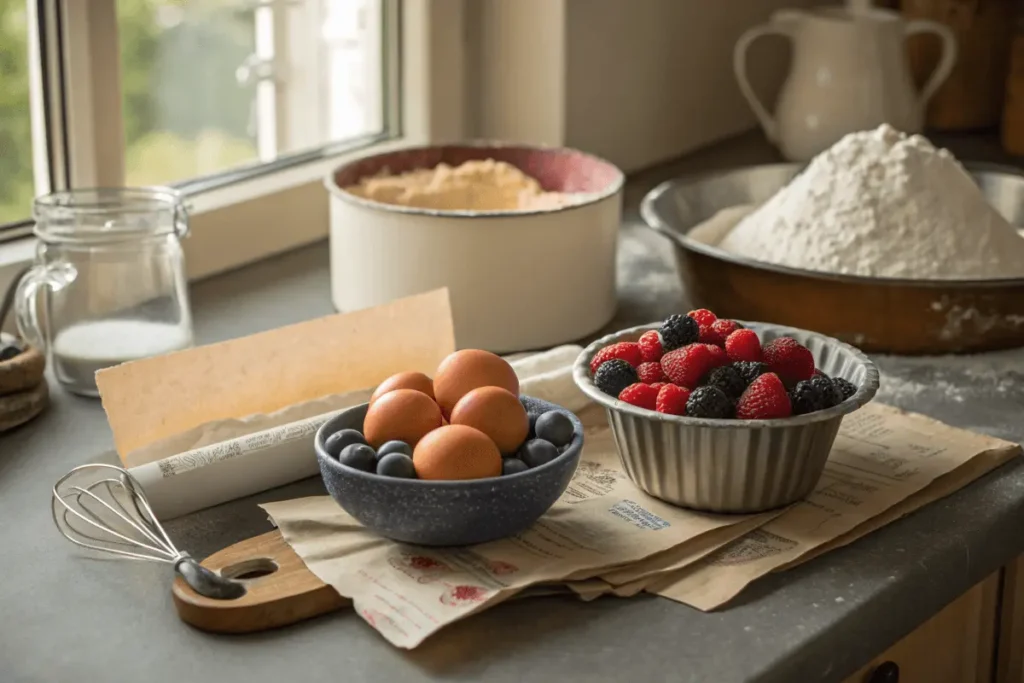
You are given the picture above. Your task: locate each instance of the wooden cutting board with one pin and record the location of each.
(280, 590)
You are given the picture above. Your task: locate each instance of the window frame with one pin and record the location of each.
(85, 145)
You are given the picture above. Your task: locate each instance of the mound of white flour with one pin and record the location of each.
(884, 204)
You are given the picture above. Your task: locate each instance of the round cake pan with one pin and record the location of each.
(518, 280)
(886, 315)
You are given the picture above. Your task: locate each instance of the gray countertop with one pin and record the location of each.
(65, 617)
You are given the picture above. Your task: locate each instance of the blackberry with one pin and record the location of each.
(807, 397)
(729, 380)
(615, 375)
(709, 402)
(829, 392)
(846, 389)
(678, 331)
(749, 370)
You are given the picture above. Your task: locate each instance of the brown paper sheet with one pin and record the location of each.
(159, 398)
(408, 593)
(606, 537)
(881, 467)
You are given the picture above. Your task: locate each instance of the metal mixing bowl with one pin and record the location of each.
(731, 465)
(875, 314)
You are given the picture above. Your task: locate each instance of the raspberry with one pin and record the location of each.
(659, 385)
(790, 360)
(649, 373)
(627, 351)
(718, 331)
(709, 402)
(718, 357)
(672, 400)
(703, 316)
(640, 395)
(650, 346)
(846, 388)
(806, 397)
(678, 331)
(728, 380)
(750, 370)
(764, 399)
(614, 375)
(743, 345)
(686, 366)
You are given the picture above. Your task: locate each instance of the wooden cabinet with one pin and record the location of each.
(957, 645)
(1010, 649)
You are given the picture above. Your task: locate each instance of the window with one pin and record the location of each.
(222, 85)
(16, 180)
(242, 104)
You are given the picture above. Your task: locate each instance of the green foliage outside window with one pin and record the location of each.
(184, 114)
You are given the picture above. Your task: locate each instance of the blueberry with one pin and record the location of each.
(9, 347)
(336, 442)
(358, 456)
(396, 465)
(537, 452)
(533, 425)
(513, 466)
(394, 447)
(556, 427)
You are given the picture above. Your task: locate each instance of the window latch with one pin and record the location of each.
(253, 70)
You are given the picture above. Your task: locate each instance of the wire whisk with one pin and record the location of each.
(104, 508)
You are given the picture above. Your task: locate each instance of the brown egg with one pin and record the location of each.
(495, 412)
(456, 452)
(469, 369)
(404, 380)
(403, 415)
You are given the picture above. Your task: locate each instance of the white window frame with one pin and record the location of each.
(263, 215)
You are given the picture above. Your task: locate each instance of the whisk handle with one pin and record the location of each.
(207, 583)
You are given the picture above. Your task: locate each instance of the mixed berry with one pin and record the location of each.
(703, 366)
(10, 347)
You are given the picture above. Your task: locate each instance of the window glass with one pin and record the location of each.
(185, 113)
(216, 85)
(16, 181)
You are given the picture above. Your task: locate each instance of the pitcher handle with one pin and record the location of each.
(776, 27)
(54, 276)
(946, 62)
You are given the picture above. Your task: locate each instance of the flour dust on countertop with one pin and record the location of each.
(968, 391)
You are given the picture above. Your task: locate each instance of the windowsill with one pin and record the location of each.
(212, 236)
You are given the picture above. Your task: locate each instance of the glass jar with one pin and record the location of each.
(108, 285)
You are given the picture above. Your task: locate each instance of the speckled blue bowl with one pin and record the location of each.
(447, 513)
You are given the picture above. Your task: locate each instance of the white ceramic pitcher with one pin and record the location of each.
(849, 72)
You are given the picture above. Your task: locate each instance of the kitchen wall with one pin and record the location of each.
(638, 81)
